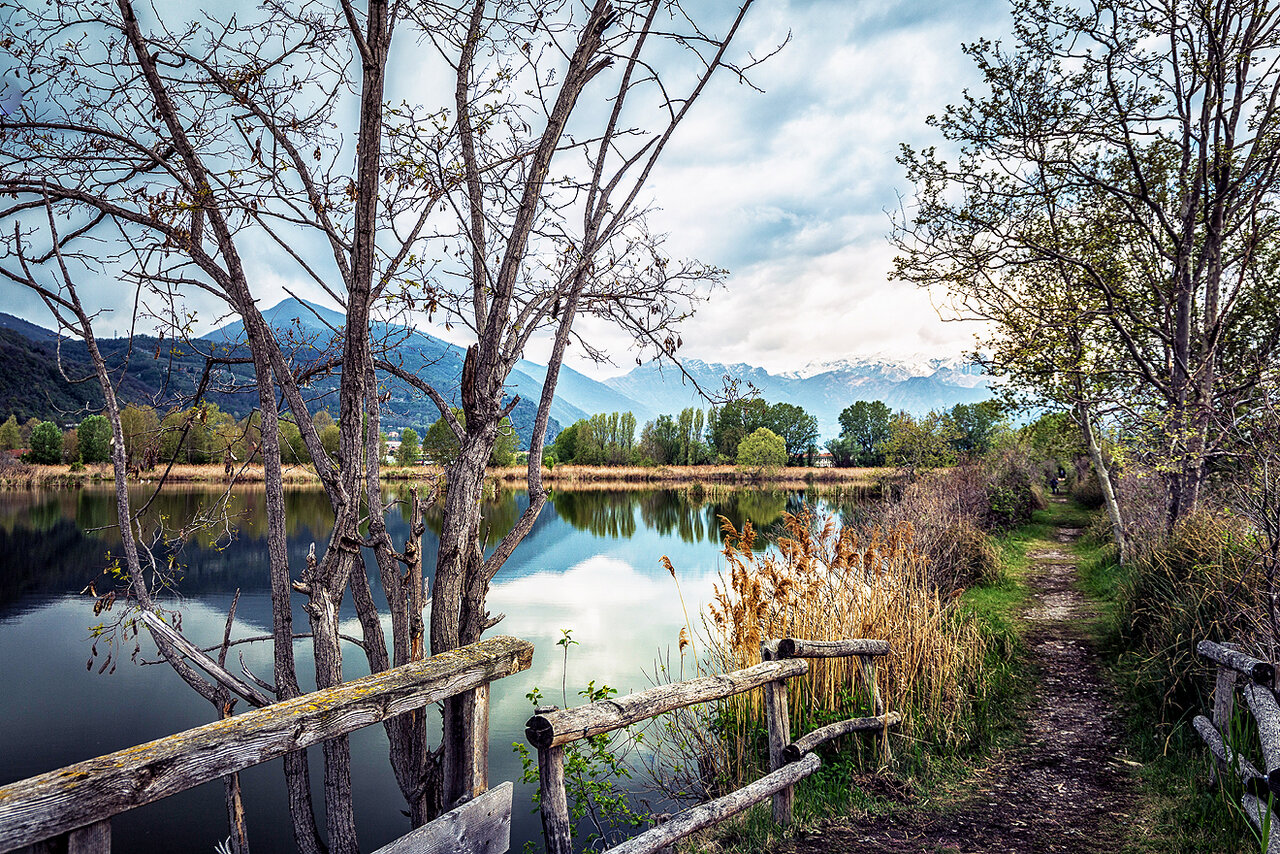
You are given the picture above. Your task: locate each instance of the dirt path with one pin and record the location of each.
(1062, 789)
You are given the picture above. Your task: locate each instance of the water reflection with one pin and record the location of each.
(590, 564)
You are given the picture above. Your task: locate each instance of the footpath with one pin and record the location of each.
(1063, 787)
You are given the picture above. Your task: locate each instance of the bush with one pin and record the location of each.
(762, 449)
(46, 444)
(1087, 492)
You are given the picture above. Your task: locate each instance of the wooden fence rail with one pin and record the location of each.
(1255, 680)
(789, 763)
(77, 802)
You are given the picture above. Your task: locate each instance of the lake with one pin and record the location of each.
(590, 565)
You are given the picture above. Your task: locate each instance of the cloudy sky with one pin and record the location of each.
(790, 189)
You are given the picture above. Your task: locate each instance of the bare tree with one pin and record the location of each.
(177, 151)
(1130, 138)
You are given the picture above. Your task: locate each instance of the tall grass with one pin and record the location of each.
(827, 582)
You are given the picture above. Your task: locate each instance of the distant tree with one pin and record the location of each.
(70, 446)
(662, 442)
(141, 428)
(728, 425)
(844, 453)
(26, 429)
(293, 449)
(976, 425)
(94, 439)
(46, 443)
(10, 434)
(798, 429)
(866, 424)
(565, 444)
(440, 444)
(322, 419)
(409, 451)
(762, 449)
(916, 444)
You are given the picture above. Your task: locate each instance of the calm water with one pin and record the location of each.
(590, 565)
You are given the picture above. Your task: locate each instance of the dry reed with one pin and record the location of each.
(825, 582)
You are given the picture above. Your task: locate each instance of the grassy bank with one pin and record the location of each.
(860, 481)
(1151, 614)
(940, 744)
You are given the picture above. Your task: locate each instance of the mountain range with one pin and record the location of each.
(156, 370)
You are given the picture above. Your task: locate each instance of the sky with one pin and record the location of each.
(791, 189)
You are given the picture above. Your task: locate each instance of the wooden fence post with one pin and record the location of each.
(554, 804)
(478, 763)
(778, 717)
(867, 667)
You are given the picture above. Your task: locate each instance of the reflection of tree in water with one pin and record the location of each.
(56, 558)
(605, 514)
(763, 508)
(499, 513)
(670, 512)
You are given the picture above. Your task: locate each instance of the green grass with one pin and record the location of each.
(1181, 810)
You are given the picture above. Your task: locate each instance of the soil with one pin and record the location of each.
(1065, 787)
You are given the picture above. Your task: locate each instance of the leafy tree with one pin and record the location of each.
(94, 438)
(843, 450)
(70, 446)
(762, 449)
(440, 444)
(140, 426)
(566, 443)
(46, 443)
(798, 429)
(292, 449)
(916, 444)
(976, 425)
(10, 435)
(660, 441)
(26, 429)
(729, 424)
(408, 452)
(1113, 174)
(866, 424)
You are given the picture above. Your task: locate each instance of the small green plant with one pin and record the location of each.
(594, 768)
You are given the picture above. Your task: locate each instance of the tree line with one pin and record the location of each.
(755, 432)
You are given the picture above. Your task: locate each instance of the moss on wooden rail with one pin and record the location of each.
(49, 804)
(560, 727)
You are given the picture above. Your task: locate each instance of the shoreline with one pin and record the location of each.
(32, 476)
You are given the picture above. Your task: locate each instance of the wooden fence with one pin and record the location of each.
(1256, 682)
(70, 809)
(789, 762)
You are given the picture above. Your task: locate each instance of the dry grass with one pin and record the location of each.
(827, 583)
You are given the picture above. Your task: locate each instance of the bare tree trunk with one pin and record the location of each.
(1083, 419)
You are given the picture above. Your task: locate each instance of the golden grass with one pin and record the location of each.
(822, 582)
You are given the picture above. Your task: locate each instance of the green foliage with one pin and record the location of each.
(94, 438)
(440, 445)
(141, 428)
(865, 428)
(292, 449)
(594, 769)
(762, 449)
(46, 444)
(975, 426)
(409, 450)
(917, 444)
(10, 438)
(844, 451)
(798, 429)
(330, 436)
(728, 425)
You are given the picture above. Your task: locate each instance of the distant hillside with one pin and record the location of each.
(160, 372)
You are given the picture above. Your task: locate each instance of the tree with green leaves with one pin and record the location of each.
(409, 451)
(866, 424)
(94, 439)
(919, 444)
(46, 444)
(798, 429)
(10, 434)
(762, 449)
(1127, 151)
(976, 426)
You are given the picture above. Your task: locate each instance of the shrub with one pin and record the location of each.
(46, 444)
(762, 449)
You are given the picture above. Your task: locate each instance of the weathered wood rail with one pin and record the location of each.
(1256, 682)
(73, 806)
(789, 762)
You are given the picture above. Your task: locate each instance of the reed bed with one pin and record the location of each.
(826, 582)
